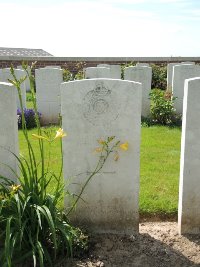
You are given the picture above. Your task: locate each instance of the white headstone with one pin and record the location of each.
(115, 70)
(8, 130)
(144, 76)
(27, 82)
(189, 186)
(180, 74)
(94, 109)
(170, 72)
(5, 75)
(53, 67)
(97, 72)
(142, 64)
(48, 82)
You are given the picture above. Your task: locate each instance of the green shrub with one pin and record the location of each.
(162, 107)
(159, 76)
(79, 71)
(67, 75)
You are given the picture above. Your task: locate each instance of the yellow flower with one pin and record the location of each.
(124, 146)
(60, 133)
(101, 142)
(15, 188)
(36, 136)
(98, 149)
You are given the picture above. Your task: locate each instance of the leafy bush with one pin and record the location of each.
(159, 76)
(162, 107)
(67, 75)
(30, 118)
(78, 73)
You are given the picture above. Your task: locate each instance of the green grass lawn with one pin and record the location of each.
(159, 172)
(160, 156)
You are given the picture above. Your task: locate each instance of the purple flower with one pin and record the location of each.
(29, 115)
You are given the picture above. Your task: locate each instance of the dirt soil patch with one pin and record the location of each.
(158, 244)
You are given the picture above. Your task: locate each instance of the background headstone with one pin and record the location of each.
(170, 72)
(97, 72)
(189, 185)
(94, 109)
(180, 74)
(5, 75)
(142, 64)
(115, 70)
(48, 82)
(8, 130)
(144, 76)
(53, 67)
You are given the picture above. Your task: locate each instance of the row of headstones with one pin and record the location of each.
(96, 108)
(48, 81)
(177, 73)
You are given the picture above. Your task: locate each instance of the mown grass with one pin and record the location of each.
(159, 171)
(159, 174)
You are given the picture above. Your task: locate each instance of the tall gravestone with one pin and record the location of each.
(170, 72)
(144, 76)
(91, 110)
(97, 72)
(8, 130)
(115, 70)
(5, 75)
(189, 185)
(180, 74)
(48, 82)
(142, 64)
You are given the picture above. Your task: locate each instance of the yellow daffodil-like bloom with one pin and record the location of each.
(60, 134)
(36, 136)
(98, 149)
(15, 188)
(124, 146)
(101, 142)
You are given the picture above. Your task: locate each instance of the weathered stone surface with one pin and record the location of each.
(180, 74)
(142, 64)
(48, 81)
(5, 75)
(170, 72)
(115, 70)
(94, 109)
(8, 130)
(97, 72)
(189, 185)
(144, 76)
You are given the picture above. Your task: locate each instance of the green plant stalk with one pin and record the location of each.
(99, 166)
(18, 83)
(40, 141)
